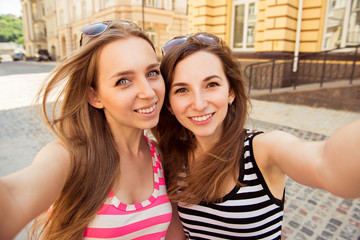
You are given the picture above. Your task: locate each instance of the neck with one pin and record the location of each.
(205, 144)
(129, 142)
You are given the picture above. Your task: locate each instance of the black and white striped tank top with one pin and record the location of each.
(249, 212)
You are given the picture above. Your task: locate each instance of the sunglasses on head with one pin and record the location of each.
(96, 29)
(206, 38)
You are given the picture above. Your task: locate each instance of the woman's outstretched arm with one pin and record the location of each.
(27, 193)
(332, 165)
(342, 161)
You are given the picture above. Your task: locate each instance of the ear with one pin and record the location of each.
(231, 97)
(93, 99)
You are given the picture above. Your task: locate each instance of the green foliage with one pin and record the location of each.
(11, 29)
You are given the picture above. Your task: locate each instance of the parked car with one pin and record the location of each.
(18, 56)
(43, 55)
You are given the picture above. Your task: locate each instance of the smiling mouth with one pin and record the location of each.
(147, 110)
(202, 118)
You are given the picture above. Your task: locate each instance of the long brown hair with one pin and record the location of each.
(85, 133)
(205, 181)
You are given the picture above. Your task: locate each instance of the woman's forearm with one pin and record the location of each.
(342, 155)
(10, 221)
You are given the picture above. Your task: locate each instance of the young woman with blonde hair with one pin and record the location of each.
(228, 181)
(102, 178)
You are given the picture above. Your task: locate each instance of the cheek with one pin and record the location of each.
(221, 98)
(162, 89)
(117, 102)
(177, 105)
(159, 88)
(118, 99)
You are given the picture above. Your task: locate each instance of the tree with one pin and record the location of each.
(11, 29)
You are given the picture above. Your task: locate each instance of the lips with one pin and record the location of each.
(147, 110)
(202, 118)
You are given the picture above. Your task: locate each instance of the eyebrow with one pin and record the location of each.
(128, 72)
(208, 78)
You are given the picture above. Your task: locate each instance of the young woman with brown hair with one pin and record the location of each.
(227, 181)
(102, 177)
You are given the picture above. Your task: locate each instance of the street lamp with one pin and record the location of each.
(143, 15)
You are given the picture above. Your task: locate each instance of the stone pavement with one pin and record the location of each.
(309, 213)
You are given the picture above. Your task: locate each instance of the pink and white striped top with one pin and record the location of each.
(145, 220)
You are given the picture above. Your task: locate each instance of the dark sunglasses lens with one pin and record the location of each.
(172, 43)
(212, 41)
(94, 29)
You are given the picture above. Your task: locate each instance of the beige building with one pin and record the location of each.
(278, 25)
(33, 26)
(55, 25)
(248, 26)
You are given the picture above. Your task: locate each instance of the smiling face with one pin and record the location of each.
(200, 94)
(130, 88)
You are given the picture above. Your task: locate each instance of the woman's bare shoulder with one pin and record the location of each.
(53, 153)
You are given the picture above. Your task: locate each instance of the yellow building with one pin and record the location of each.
(248, 26)
(55, 25)
(282, 43)
(278, 25)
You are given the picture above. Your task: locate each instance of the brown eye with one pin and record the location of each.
(212, 84)
(180, 90)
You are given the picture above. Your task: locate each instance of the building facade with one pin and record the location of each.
(55, 25)
(248, 26)
(278, 25)
(33, 26)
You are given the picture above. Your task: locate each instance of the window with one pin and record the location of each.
(152, 3)
(354, 24)
(332, 3)
(342, 24)
(106, 3)
(33, 10)
(244, 24)
(151, 32)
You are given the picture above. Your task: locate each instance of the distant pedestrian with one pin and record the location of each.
(228, 181)
(102, 177)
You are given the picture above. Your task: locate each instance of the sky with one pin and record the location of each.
(10, 6)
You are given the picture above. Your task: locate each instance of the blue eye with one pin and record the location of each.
(122, 81)
(154, 73)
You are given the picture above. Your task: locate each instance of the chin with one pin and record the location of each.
(202, 134)
(206, 133)
(150, 124)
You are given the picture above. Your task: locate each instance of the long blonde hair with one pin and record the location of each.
(177, 144)
(85, 133)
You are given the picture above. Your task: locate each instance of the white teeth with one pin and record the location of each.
(202, 118)
(146, 110)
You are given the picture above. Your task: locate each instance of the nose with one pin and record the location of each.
(145, 89)
(199, 101)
